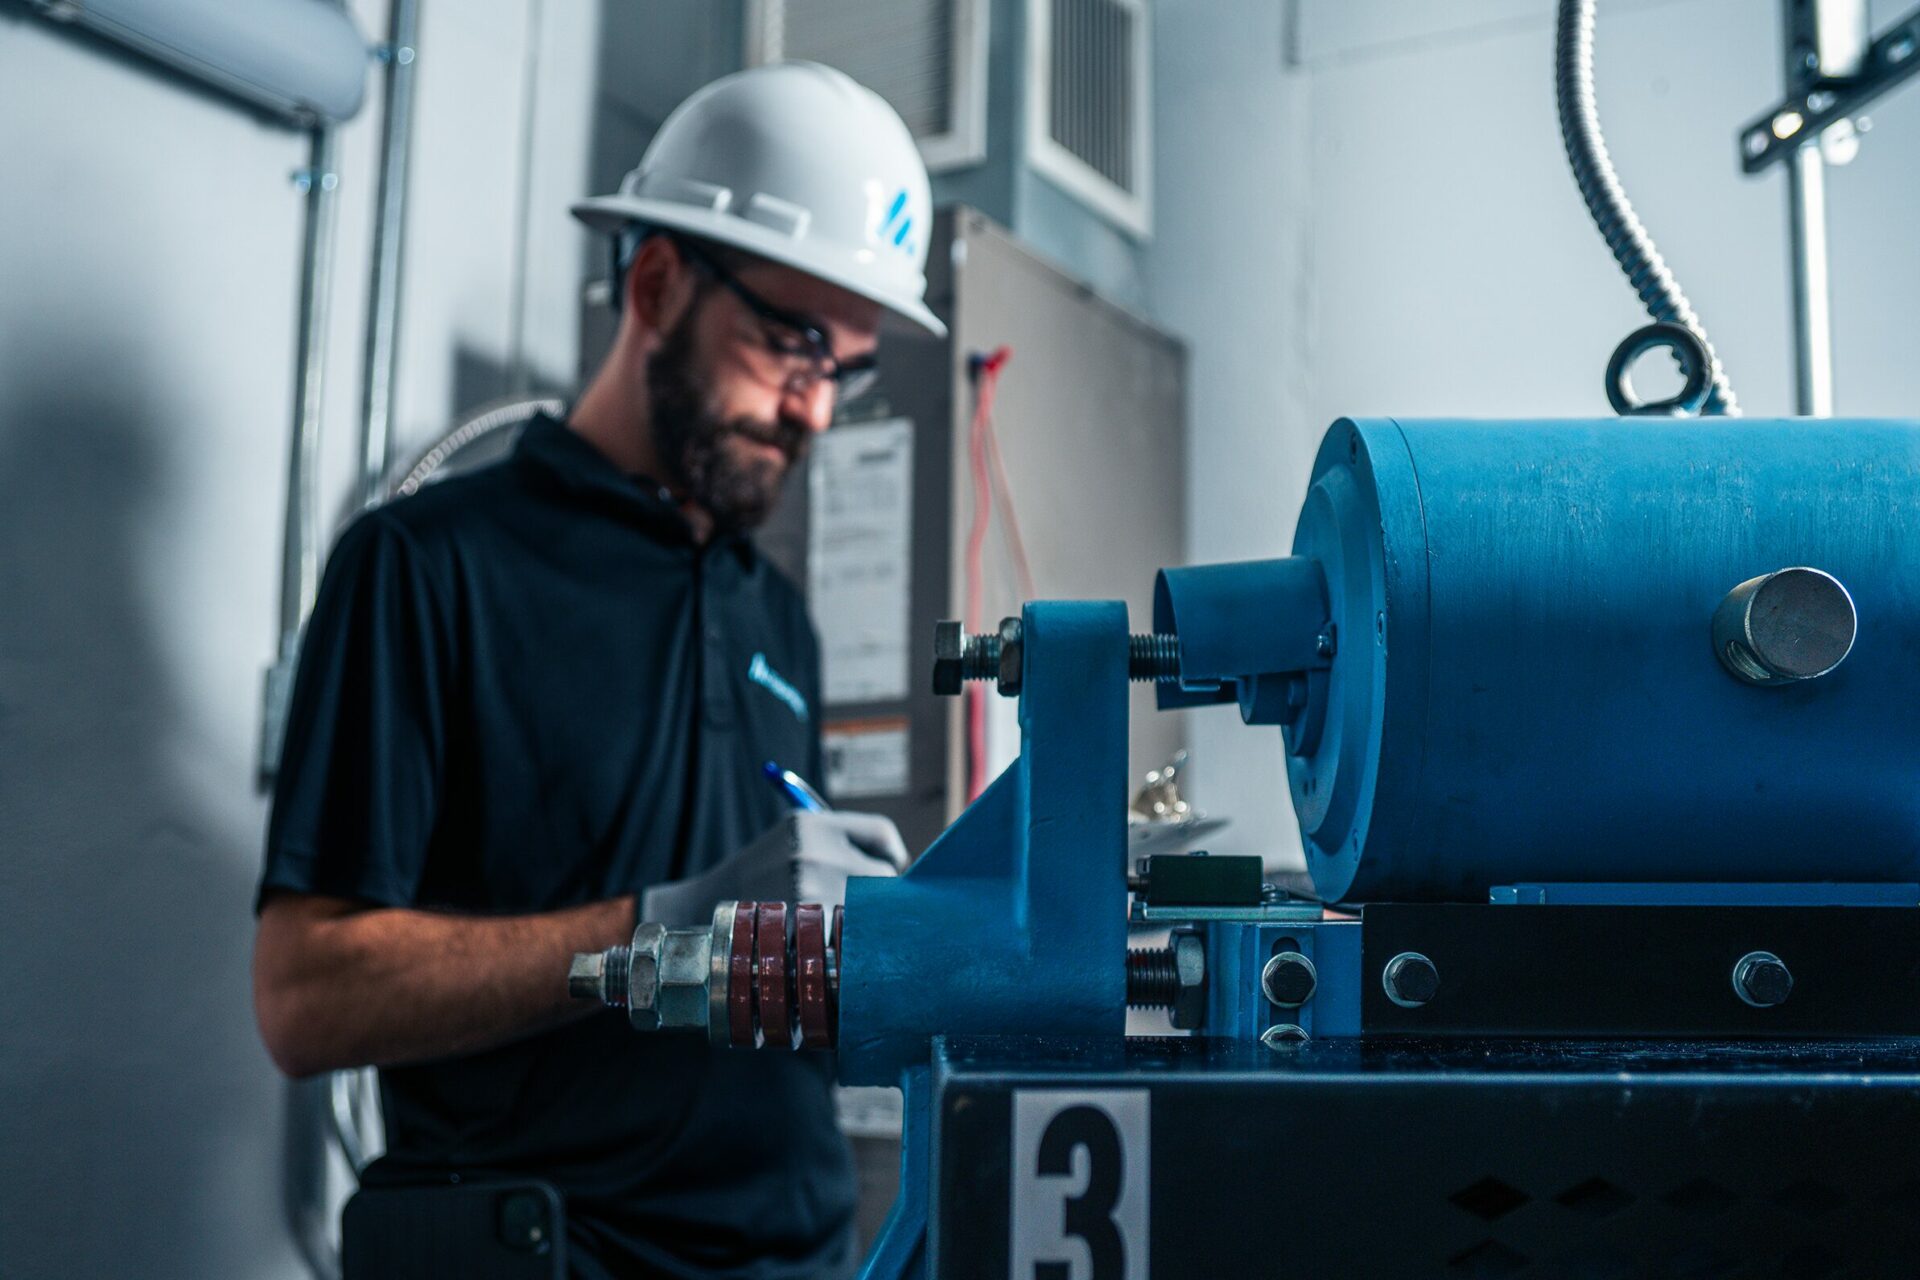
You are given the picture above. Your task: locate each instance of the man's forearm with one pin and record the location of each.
(340, 985)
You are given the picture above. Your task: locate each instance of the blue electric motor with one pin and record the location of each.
(1496, 659)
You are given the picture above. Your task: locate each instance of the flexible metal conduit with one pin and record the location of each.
(481, 424)
(1600, 187)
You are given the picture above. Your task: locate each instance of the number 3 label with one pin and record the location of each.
(1080, 1166)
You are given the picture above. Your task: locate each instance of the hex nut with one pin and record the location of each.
(682, 998)
(1190, 970)
(949, 652)
(643, 976)
(1012, 657)
(1289, 979)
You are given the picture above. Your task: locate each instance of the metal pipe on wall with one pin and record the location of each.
(389, 240)
(1812, 302)
(1825, 40)
(519, 371)
(300, 552)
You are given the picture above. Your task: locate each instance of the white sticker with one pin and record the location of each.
(859, 544)
(1080, 1171)
(866, 758)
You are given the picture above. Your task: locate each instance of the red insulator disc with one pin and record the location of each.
(770, 960)
(839, 970)
(740, 978)
(810, 975)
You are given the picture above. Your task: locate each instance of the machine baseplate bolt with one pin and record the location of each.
(1410, 979)
(1284, 1035)
(1289, 979)
(1761, 979)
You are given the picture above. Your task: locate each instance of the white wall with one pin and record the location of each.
(1363, 208)
(149, 247)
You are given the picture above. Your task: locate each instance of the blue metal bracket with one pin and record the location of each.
(1016, 917)
(900, 1251)
(1237, 951)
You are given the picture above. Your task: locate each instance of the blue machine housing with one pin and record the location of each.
(1524, 686)
(1492, 659)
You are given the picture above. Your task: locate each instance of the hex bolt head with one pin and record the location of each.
(1190, 970)
(949, 654)
(1289, 979)
(1410, 979)
(1761, 979)
(587, 976)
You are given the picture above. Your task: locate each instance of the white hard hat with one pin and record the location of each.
(798, 164)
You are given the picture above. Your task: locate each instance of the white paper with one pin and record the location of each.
(866, 758)
(859, 548)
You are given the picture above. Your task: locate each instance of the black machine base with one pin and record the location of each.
(1337, 1159)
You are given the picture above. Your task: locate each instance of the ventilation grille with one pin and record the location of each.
(1088, 85)
(1090, 109)
(925, 57)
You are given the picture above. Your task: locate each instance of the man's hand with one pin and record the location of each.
(339, 984)
(805, 857)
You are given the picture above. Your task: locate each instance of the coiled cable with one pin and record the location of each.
(1600, 187)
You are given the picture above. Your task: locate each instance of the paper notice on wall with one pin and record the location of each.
(858, 558)
(866, 757)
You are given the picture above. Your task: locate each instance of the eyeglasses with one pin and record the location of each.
(797, 354)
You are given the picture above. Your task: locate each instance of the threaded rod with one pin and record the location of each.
(1153, 657)
(959, 657)
(980, 660)
(618, 967)
(1149, 657)
(1153, 980)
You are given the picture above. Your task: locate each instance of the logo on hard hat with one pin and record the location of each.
(890, 220)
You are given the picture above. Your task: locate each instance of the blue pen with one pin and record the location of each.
(798, 793)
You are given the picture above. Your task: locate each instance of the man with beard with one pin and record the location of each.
(531, 695)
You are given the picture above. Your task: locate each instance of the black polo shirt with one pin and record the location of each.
(525, 689)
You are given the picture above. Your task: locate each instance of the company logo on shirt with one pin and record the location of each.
(761, 672)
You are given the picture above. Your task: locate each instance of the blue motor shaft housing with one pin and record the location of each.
(1526, 689)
